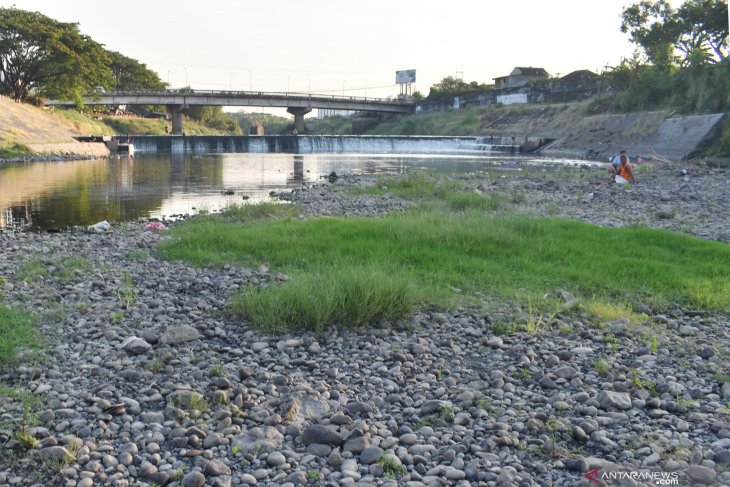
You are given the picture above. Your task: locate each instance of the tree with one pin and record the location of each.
(213, 116)
(129, 74)
(698, 30)
(451, 86)
(704, 28)
(50, 57)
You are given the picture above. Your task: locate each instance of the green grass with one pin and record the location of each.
(335, 125)
(436, 192)
(59, 267)
(12, 150)
(86, 123)
(452, 122)
(83, 123)
(345, 297)
(260, 211)
(610, 311)
(17, 332)
(438, 250)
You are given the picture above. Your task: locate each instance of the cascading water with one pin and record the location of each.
(315, 144)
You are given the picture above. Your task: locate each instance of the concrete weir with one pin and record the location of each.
(309, 144)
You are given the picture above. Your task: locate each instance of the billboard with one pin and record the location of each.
(405, 76)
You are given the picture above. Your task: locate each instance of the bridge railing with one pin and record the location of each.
(251, 94)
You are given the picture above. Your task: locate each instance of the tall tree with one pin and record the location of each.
(51, 57)
(129, 74)
(698, 29)
(704, 29)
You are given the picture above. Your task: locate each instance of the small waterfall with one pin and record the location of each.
(314, 144)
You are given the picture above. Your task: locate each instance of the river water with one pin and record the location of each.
(56, 195)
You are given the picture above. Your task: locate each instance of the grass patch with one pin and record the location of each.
(610, 311)
(10, 151)
(414, 186)
(341, 297)
(260, 211)
(453, 122)
(350, 271)
(59, 267)
(472, 251)
(17, 332)
(432, 192)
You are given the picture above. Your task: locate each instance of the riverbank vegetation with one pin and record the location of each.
(17, 332)
(11, 150)
(453, 248)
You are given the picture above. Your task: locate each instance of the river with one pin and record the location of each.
(56, 195)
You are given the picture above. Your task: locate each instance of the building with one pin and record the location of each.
(521, 76)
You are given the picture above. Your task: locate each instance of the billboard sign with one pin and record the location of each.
(405, 76)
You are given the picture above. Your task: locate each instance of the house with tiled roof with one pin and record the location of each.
(521, 76)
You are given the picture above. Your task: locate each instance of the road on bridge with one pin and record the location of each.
(298, 104)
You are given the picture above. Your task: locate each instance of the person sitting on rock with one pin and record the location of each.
(625, 172)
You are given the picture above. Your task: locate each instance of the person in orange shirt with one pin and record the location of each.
(624, 172)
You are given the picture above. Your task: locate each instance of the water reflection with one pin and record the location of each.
(47, 195)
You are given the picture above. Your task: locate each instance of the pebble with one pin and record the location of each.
(172, 390)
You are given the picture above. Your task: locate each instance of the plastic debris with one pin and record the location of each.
(156, 226)
(100, 227)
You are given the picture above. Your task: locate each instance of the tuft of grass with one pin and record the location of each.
(59, 267)
(470, 200)
(217, 370)
(654, 344)
(610, 311)
(342, 297)
(17, 332)
(392, 468)
(540, 314)
(603, 367)
(259, 211)
(138, 255)
(127, 293)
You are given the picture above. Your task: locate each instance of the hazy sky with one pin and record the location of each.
(347, 46)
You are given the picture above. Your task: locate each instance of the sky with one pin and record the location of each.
(350, 47)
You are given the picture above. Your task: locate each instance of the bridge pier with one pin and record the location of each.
(176, 113)
(299, 113)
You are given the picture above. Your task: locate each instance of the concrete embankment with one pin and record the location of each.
(42, 133)
(660, 134)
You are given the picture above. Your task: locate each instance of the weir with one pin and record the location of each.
(310, 144)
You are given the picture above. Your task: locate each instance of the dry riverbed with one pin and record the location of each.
(146, 381)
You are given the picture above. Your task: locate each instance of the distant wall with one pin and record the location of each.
(657, 134)
(82, 149)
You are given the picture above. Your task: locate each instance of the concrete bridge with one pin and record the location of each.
(298, 104)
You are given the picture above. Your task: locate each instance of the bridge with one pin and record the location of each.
(298, 104)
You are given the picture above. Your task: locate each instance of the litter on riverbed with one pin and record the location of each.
(102, 226)
(156, 226)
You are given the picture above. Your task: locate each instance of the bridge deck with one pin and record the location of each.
(245, 98)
